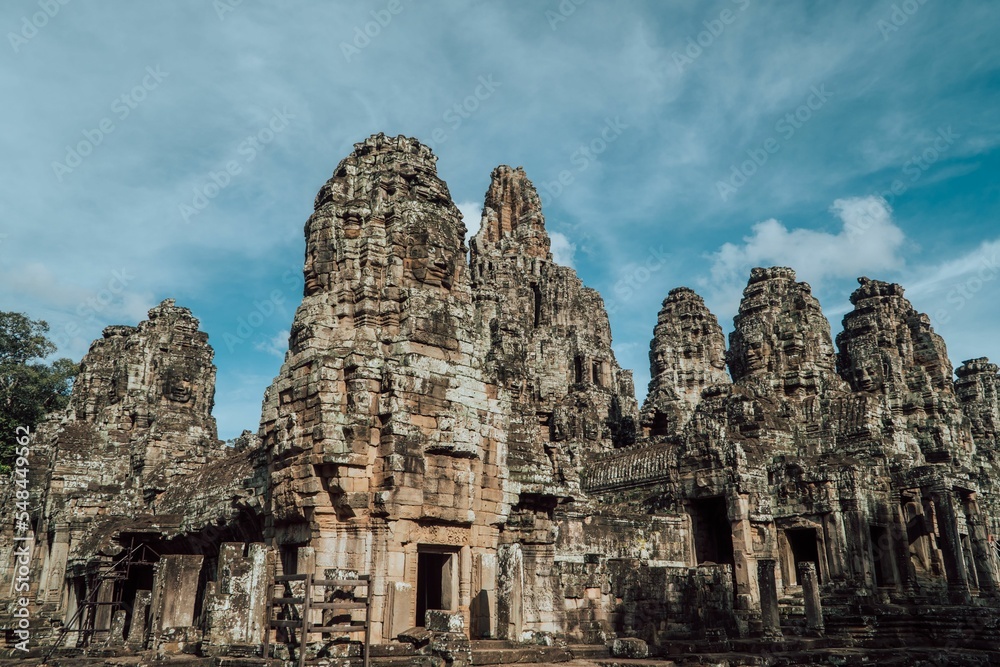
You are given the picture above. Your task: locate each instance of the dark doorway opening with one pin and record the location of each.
(434, 583)
(140, 578)
(713, 537)
(803, 545)
(885, 574)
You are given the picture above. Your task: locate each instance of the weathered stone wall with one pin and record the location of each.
(889, 348)
(978, 391)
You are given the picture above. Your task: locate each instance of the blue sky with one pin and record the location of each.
(156, 150)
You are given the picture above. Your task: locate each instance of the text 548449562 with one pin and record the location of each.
(22, 535)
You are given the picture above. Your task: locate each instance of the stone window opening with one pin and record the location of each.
(289, 557)
(660, 425)
(545, 431)
(595, 370)
(437, 581)
(578, 369)
(537, 296)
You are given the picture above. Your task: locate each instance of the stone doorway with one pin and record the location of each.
(883, 564)
(713, 534)
(803, 547)
(436, 581)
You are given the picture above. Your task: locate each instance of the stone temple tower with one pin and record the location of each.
(386, 443)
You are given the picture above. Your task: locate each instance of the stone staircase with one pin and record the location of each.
(792, 611)
(500, 652)
(483, 652)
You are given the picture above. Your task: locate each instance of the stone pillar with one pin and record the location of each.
(483, 607)
(305, 560)
(116, 637)
(464, 573)
(400, 608)
(836, 544)
(307, 565)
(901, 546)
(140, 623)
(175, 589)
(236, 604)
(911, 546)
(930, 517)
(811, 598)
(54, 576)
(860, 541)
(102, 612)
(510, 591)
(768, 589)
(951, 546)
(742, 553)
(979, 536)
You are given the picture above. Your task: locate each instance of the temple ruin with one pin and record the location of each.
(451, 468)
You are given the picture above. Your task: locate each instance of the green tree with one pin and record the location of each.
(29, 387)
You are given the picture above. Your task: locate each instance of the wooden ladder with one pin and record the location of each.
(303, 624)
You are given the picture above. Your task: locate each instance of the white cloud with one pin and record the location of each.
(960, 294)
(276, 344)
(562, 248)
(869, 241)
(980, 265)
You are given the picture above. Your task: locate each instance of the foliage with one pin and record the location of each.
(29, 387)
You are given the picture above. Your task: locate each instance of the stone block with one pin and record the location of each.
(629, 647)
(439, 620)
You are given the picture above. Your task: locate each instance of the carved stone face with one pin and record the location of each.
(431, 258)
(864, 380)
(311, 280)
(351, 221)
(117, 386)
(754, 355)
(177, 386)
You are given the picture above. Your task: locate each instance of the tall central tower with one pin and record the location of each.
(386, 444)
